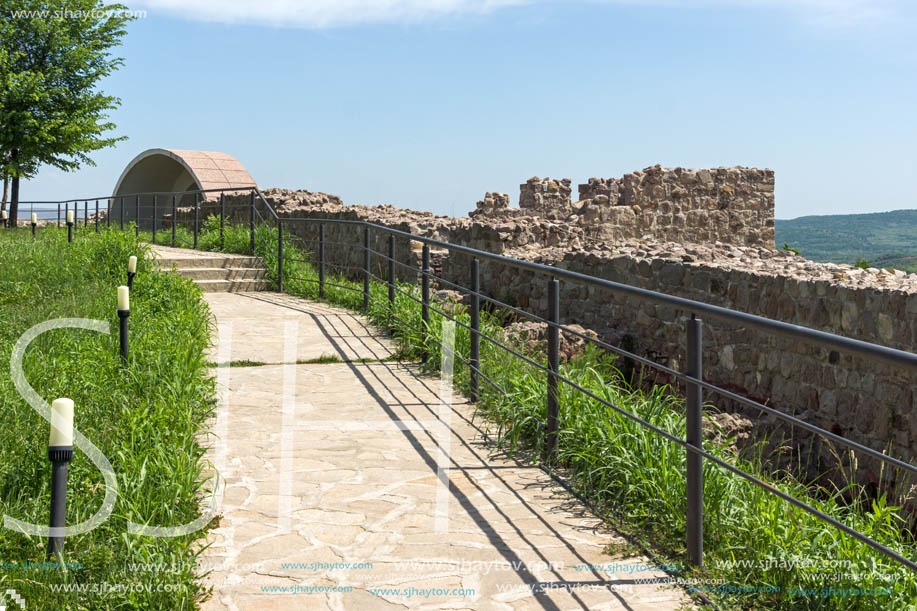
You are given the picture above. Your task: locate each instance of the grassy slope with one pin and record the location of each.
(637, 477)
(145, 418)
(843, 238)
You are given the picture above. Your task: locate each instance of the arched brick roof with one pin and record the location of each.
(182, 170)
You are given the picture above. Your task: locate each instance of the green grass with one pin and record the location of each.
(637, 478)
(235, 237)
(144, 418)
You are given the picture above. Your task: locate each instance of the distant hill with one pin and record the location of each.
(885, 239)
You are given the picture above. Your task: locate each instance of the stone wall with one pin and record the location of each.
(729, 205)
(546, 198)
(864, 401)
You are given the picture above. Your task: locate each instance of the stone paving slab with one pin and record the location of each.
(167, 252)
(336, 477)
(261, 319)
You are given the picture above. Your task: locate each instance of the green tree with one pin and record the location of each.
(53, 54)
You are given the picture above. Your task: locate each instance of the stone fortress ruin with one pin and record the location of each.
(706, 235)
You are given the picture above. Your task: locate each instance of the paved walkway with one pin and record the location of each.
(335, 484)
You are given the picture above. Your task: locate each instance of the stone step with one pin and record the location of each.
(210, 262)
(233, 286)
(222, 273)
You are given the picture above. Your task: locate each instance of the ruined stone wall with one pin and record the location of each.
(546, 198)
(729, 205)
(862, 400)
(865, 401)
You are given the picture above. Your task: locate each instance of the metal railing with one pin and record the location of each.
(151, 211)
(692, 375)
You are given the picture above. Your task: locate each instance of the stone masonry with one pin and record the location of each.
(722, 253)
(729, 205)
(545, 197)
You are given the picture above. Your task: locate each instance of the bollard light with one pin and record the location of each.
(131, 271)
(70, 225)
(124, 310)
(34, 223)
(60, 453)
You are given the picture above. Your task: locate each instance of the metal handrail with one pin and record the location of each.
(693, 378)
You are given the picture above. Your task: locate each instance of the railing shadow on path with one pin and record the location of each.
(374, 383)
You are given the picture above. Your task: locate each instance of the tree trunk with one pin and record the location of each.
(6, 190)
(14, 194)
(14, 201)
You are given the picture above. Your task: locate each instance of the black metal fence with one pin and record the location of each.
(258, 214)
(163, 214)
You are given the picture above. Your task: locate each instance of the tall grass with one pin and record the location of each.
(145, 418)
(637, 478)
(235, 237)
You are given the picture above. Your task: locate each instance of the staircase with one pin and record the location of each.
(215, 272)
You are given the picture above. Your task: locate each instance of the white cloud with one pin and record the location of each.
(335, 13)
(324, 13)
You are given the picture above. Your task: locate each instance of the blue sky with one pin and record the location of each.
(427, 104)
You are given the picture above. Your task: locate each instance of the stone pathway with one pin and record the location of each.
(335, 494)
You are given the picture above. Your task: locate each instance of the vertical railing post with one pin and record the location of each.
(174, 218)
(197, 219)
(694, 437)
(321, 260)
(280, 255)
(137, 218)
(391, 270)
(366, 270)
(97, 216)
(58, 215)
(222, 218)
(121, 207)
(425, 301)
(251, 223)
(474, 337)
(155, 198)
(86, 213)
(108, 214)
(553, 367)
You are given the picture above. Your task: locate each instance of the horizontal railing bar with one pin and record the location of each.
(326, 242)
(682, 376)
(339, 266)
(315, 263)
(322, 220)
(803, 424)
(483, 335)
(313, 281)
(382, 255)
(694, 449)
(126, 195)
(454, 353)
(433, 309)
(746, 401)
(777, 327)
